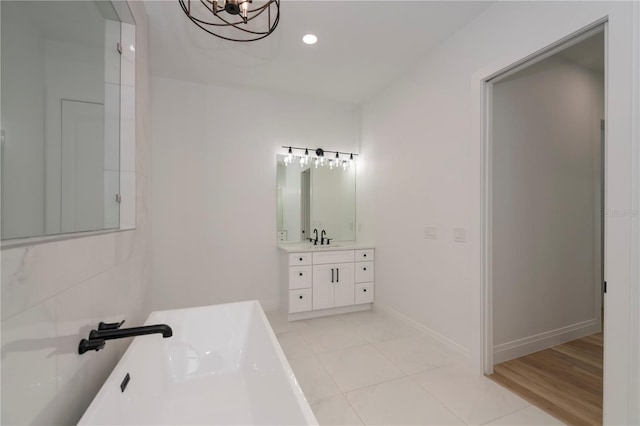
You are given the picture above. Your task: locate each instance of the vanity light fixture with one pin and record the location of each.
(288, 159)
(234, 20)
(320, 159)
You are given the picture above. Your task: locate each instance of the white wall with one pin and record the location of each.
(54, 293)
(417, 149)
(546, 198)
(214, 180)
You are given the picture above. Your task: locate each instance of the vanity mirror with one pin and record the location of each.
(310, 197)
(67, 104)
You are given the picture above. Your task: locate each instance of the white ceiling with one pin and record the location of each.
(362, 46)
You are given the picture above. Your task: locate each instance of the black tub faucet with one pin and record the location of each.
(120, 333)
(97, 338)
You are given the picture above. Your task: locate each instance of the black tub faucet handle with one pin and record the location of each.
(110, 325)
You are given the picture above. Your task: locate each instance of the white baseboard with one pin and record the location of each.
(525, 346)
(426, 330)
(324, 312)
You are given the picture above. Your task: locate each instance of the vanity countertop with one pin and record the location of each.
(338, 245)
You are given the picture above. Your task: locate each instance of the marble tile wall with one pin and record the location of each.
(54, 293)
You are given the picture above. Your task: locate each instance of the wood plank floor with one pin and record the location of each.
(565, 381)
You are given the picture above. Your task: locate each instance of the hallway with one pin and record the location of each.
(565, 381)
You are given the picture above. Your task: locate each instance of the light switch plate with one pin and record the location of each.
(459, 235)
(431, 233)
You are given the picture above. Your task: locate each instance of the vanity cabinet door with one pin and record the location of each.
(344, 285)
(323, 284)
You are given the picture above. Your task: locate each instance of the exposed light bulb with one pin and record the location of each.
(288, 159)
(302, 161)
(316, 162)
(244, 7)
(306, 156)
(345, 166)
(351, 161)
(330, 164)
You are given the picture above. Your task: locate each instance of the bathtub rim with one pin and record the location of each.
(256, 307)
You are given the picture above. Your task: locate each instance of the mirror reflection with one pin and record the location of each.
(60, 117)
(310, 197)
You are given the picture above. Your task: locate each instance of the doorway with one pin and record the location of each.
(546, 228)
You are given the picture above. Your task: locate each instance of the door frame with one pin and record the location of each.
(621, 240)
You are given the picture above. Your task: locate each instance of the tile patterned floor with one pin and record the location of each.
(371, 368)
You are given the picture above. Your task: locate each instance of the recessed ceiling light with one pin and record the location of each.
(310, 39)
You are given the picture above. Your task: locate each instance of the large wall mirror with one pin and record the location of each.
(310, 197)
(62, 71)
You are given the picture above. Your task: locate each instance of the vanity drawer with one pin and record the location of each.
(338, 256)
(364, 272)
(300, 300)
(364, 255)
(299, 277)
(364, 293)
(299, 259)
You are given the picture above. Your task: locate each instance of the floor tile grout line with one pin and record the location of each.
(354, 409)
(508, 414)
(328, 373)
(438, 400)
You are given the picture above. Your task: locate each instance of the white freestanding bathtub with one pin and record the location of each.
(223, 365)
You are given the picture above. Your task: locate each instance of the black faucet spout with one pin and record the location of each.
(121, 333)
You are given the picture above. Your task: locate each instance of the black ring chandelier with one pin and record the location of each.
(234, 20)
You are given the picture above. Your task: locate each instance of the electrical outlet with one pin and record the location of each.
(459, 235)
(431, 233)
